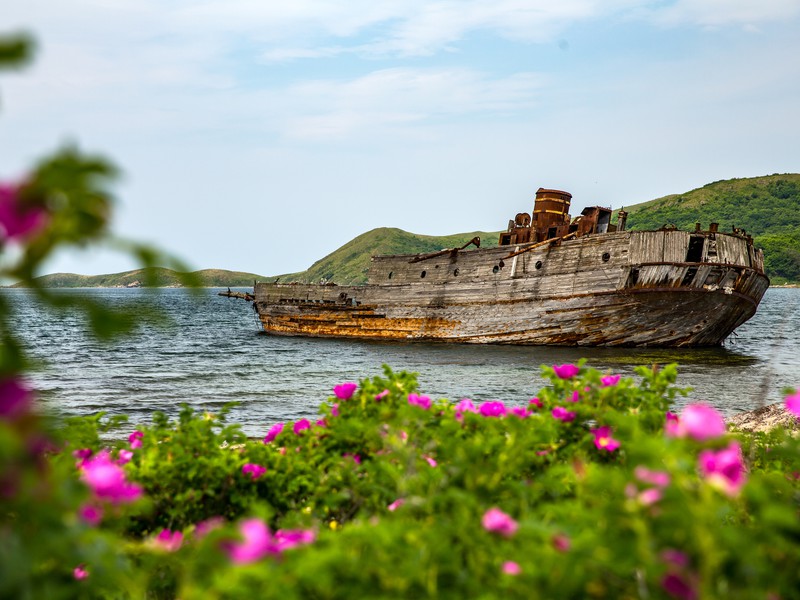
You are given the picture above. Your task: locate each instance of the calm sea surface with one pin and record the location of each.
(213, 353)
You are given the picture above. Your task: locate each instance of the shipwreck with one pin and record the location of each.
(552, 280)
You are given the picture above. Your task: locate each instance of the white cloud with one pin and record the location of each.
(719, 13)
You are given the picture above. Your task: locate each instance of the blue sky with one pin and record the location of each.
(260, 136)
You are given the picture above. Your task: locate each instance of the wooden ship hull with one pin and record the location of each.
(578, 282)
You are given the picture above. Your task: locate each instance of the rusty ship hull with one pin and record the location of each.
(664, 288)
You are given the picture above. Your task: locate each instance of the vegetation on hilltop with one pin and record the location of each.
(768, 208)
(148, 277)
(349, 264)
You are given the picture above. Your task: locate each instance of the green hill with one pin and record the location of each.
(768, 208)
(349, 264)
(150, 277)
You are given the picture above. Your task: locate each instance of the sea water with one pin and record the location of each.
(209, 351)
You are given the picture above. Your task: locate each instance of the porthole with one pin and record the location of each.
(455, 272)
(538, 265)
(501, 264)
(495, 269)
(422, 275)
(606, 257)
(390, 274)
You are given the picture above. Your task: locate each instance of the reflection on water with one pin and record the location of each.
(213, 354)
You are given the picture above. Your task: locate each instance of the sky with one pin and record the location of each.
(260, 136)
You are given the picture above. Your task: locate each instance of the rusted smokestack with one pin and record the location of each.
(622, 219)
(714, 227)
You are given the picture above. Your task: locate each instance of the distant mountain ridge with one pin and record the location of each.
(767, 207)
(149, 277)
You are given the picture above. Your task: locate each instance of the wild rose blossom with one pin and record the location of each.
(562, 414)
(430, 460)
(697, 421)
(650, 496)
(356, 458)
(382, 395)
(203, 528)
(335, 410)
(107, 480)
(535, 402)
(344, 391)
(273, 432)
(610, 380)
(561, 542)
(493, 408)
(576, 396)
(657, 478)
(168, 540)
(259, 542)
(520, 411)
(679, 586)
(496, 521)
(90, 514)
(511, 568)
(421, 401)
(124, 457)
(255, 471)
(724, 469)
(567, 371)
(80, 572)
(256, 543)
(396, 504)
(135, 439)
(16, 398)
(16, 219)
(792, 403)
(603, 439)
(464, 405)
(301, 425)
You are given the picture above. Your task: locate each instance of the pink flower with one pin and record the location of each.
(657, 478)
(511, 568)
(561, 542)
(335, 410)
(135, 439)
(344, 391)
(16, 219)
(301, 425)
(107, 480)
(671, 424)
(431, 461)
(562, 414)
(16, 398)
(382, 395)
(80, 572)
(567, 371)
(536, 402)
(396, 504)
(255, 471)
(421, 401)
(257, 542)
(203, 528)
(793, 404)
(124, 457)
(168, 540)
(82, 455)
(496, 521)
(610, 380)
(90, 514)
(493, 408)
(464, 405)
(679, 586)
(321, 423)
(650, 496)
(356, 458)
(675, 557)
(698, 421)
(724, 469)
(291, 538)
(603, 439)
(273, 432)
(520, 411)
